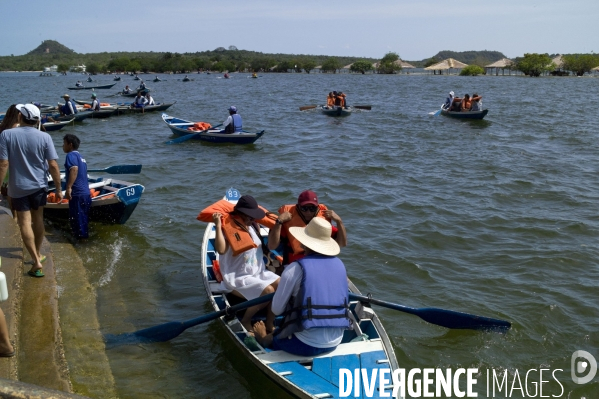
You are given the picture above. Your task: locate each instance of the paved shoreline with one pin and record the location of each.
(32, 315)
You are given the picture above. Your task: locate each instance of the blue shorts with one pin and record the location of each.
(79, 207)
(32, 201)
(295, 346)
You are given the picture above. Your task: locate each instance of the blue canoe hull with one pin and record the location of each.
(115, 209)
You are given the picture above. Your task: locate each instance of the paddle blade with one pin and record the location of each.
(366, 107)
(441, 317)
(437, 113)
(461, 321)
(308, 107)
(161, 333)
(122, 169)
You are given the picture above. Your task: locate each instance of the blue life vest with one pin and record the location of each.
(95, 105)
(477, 106)
(236, 122)
(66, 110)
(323, 298)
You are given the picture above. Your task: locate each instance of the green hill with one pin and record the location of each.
(51, 47)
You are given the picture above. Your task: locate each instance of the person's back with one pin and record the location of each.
(477, 104)
(233, 123)
(466, 104)
(330, 100)
(28, 150)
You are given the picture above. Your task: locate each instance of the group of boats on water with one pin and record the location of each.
(365, 346)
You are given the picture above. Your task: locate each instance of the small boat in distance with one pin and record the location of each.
(181, 127)
(108, 86)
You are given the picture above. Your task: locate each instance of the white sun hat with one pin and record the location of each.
(317, 236)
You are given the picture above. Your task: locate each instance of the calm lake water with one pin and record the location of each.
(496, 217)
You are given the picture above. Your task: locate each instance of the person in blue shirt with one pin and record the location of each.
(77, 187)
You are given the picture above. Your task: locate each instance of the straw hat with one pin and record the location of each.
(317, 236)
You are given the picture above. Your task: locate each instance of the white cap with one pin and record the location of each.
(29, 111)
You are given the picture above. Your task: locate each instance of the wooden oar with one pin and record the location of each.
(442, 317)
(167, 331)
(308, 107)
(116, 170)
(189, 136)
(367, 107)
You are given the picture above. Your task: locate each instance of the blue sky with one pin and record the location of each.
(413, 29)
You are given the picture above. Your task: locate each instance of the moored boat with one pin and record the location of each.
(336, 111)
(125, 108)
(181, 127)
(108, 86)
(366, 346)
(114, 203)
(53, 126)
(466, 114)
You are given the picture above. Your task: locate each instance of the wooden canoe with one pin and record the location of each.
(108, 86)
(114, 204)
(304, 377)
(180, 127)
(336, 111)
(54, 126)
(466, 114)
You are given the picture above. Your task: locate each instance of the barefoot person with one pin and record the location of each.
(28, 154)
(313, 295)
(244, 273)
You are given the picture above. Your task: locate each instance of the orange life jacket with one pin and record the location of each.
(235, 232)
(340, 100)
(297, 221)
(199, 126)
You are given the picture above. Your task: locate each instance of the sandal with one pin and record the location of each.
(36, 273)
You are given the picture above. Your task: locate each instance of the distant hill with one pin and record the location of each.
(51, 47)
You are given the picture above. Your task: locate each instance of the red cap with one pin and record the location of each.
(307, 197)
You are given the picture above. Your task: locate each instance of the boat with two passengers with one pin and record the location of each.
(366, 346)
(181, 127)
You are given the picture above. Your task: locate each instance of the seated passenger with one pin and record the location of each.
(330, 100)
(449, 101)
(313, 295)
(477, 103)
(140, 101)
(127, 90)
(78, 84)
(299, 215)
(233, 122)
(244, 273)
(150, 99)
(466, 103)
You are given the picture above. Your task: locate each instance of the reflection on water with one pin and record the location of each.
(495, 217)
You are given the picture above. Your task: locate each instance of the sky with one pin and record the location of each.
(414, 29)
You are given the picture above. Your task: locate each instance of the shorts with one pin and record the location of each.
(295, 346)
(30, 202)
